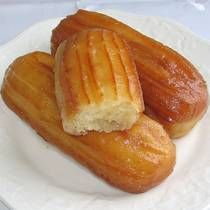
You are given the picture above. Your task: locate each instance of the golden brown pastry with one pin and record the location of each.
(133, 160)
(175, 94)
(96, 83)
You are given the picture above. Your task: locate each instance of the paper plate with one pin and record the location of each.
(35, 175)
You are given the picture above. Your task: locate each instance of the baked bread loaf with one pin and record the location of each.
(134, 160)
(96, 83)
(175, 94)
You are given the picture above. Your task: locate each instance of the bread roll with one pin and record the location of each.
(96, 82)
(134, 160)
(175, 94)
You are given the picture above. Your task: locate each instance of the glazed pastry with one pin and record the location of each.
(96, 83)
(175, 94)
(134, 160)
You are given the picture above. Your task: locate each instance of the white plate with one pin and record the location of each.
(35, 175)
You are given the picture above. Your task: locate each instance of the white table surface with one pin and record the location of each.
(18, 15)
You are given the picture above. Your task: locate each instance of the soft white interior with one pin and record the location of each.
(106, 117)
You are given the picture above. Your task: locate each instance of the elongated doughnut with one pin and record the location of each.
(133, 160)
(96, 83)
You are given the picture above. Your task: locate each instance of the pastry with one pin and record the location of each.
(96, 83)
(133, 160)
(175, 94)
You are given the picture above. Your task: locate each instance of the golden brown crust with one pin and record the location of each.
(134, 160)
(174, 91)
(94, 68)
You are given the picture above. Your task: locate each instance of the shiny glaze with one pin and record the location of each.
(134, 160)
(174, 92)
(96, 66)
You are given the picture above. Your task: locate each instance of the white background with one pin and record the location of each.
(17, 15)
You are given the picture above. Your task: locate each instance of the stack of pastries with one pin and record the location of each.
(175, 94)
(110, 97)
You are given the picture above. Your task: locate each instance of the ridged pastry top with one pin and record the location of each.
(96, 66)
